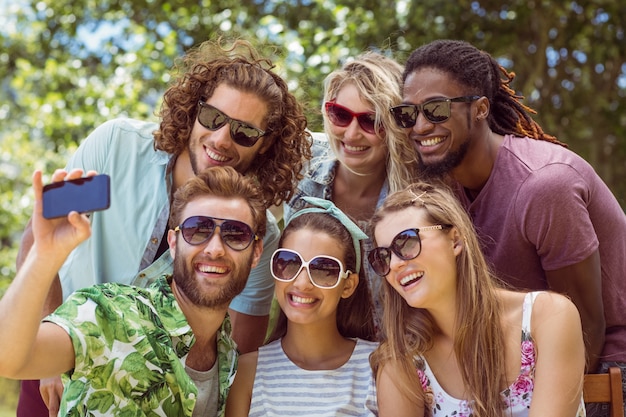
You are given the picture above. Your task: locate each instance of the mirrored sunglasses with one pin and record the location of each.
(324, 271)
(435, 111)
(197, 230)
(342, 116)
(406, 245)
(242, 133)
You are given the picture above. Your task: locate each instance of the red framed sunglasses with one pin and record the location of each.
(342, 116)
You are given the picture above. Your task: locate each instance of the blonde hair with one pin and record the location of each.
(377, 79)
(479, 340)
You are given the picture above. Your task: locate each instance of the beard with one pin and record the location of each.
(184, 277)
(439, 169)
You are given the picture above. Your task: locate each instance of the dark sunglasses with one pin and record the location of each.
(324, 271)
(342, 117)
(406, 245)
(242, 133)
(197, 230)
(435, 111)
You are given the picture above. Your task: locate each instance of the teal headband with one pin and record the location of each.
(327, 207)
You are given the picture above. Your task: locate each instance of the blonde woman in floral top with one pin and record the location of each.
(455, 342)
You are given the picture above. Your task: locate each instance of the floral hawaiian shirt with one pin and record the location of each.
(130, 345)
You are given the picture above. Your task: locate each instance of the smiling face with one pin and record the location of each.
(211, 274)
(441, 146)
(300, 300)
(216, 148)
(359, 150)
(428, 280)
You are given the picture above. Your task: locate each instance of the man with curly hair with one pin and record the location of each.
(225, 107)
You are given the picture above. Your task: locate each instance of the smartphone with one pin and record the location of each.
(83, 195)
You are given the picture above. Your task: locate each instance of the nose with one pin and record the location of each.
(215, 245)
(422, 124)
(302, 280)
(353, 129)
(221, 137)
(396, 262)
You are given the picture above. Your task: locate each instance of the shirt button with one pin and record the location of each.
(155, 240)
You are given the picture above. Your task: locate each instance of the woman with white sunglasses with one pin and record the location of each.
(317, 361)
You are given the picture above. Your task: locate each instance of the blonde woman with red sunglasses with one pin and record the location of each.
(365, 154)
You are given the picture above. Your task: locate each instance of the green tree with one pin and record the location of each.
(68, 65)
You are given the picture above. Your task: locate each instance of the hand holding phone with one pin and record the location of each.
(84, 195)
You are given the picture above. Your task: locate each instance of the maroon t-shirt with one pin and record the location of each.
(545, 208)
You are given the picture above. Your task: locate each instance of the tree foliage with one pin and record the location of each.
(68, 65)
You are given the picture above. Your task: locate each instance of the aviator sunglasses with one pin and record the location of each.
(324, 271)
(197, 230)
(242, 133)
(435, 111)
(406, 245)
(342, 116)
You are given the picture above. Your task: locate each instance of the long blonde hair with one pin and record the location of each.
(408, 332)
(377, 79)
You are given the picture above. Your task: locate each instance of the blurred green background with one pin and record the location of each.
(68, 65)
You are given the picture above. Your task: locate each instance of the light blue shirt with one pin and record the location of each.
(125, 237)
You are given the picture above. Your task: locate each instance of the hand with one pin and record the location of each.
(51, 390)
(58, 236)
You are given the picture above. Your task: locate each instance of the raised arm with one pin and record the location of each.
(31, 350)
(560, 365)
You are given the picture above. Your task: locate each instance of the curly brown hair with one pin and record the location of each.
(200, 72)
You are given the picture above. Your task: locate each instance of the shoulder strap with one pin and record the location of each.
(527, 309)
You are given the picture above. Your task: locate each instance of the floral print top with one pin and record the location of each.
(516, 398)
(131, 344)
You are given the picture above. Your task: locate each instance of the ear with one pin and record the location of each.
(171, 240)
(457, 242)
(266, 145)
(482, 108)
(257, 252)
(349, 285)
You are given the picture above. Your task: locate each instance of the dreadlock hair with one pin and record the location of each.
(482, 75)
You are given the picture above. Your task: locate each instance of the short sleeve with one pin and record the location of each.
(553, 207)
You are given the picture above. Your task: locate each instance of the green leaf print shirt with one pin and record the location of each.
(130, 344)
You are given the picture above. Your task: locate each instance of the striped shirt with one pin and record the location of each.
(281, 388)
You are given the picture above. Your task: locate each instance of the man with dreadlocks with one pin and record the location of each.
(546, 219)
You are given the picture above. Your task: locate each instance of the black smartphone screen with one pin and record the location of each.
(83, 195)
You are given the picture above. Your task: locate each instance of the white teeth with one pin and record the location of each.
(302, 300)
(431, 141)
(410, 278)
(216, 156)
(211, 269)
(355, 148)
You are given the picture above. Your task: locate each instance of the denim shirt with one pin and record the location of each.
(319, 175)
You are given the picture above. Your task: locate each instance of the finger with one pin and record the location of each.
(58, 175)
(38, 189)
(74, 174)
(91, 173)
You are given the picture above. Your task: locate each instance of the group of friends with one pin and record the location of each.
(439, 253)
